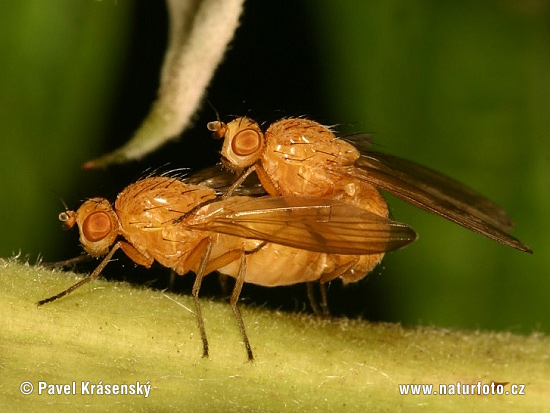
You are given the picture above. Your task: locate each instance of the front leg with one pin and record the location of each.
(89, 278)
(71, 262)
(238, 182)
(264, 178)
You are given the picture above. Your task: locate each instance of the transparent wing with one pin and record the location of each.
(436, 193)
(308, 223)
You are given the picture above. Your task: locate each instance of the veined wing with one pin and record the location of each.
(436, 193)
(313, 224)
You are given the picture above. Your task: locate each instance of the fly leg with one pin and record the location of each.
(312, 299)
(264, 178)
(238, 182)
(324, 311)
(321, 309)
(89, 278)
(71, 262)
(235, 298)
(324, 304)
(205, 247)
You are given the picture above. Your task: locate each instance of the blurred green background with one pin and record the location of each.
(462, 87)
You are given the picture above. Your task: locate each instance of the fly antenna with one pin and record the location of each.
(64, 204)
(61, 199)
(214, 109)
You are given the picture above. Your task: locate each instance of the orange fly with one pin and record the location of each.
(300, 157)
(187, 228)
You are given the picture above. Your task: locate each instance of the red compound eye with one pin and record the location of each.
(97, 226)
(246, 142)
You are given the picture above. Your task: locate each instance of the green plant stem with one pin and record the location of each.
(117, 333)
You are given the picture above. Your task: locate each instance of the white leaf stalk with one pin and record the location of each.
(200, 31)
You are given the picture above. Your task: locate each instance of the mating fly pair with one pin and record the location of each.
(323, 218)
(268, 241)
